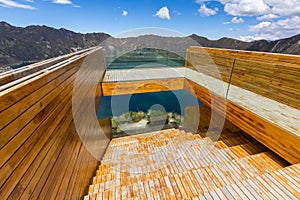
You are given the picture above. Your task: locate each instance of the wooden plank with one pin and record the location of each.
(180, 185)
(144, 74)
(250, 55)
(248, 75)
(38, 119)
(18, 92)
(30, 69)
(265, 132)
(46, 161)
(30, 106)
(44, 106)
(217, 66)
(41, 177)
(83, 179)
(29, 129)
(65, 165)
(57, 174)
(286, 183)
(136, 87)
(222, 179)
(280, 188)
(34, 149)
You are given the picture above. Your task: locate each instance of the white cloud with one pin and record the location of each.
(261, 25)
(267, 17)
(250, 38)
(286, 8)
(275, 30)
(163, 13)
(246, 7)
(281, 8)
(30, 1)
(13, 4)
(62, 1)
(278, 18)
(237, 20)
(203, 10)
(124, 13)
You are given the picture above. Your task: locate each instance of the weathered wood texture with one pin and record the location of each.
(279, 82)
(174, 164)
(273, 136)
(218, 66)
(142, 74)
(274, 58)
(41, 154)
(16, 74)
(205, 123)
(275, 76)
(136, 87)
(262, 98)
(279, 69)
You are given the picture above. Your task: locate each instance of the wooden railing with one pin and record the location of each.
(36, 68)
(262, 93)
(41, 153)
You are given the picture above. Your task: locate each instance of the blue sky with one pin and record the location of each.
(241, 19)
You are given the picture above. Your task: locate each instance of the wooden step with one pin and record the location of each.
(215, 176)
(265, 186)
(203, 169)
(183, 186)
(192, 153)
(244, 150)
(234, 141)
(194, 160)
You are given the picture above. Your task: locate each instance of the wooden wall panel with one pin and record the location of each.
(41, 154)
(136, 87)
(274, 58)
(217, 66)
(280, 141)
(14, 94)
(278, 82)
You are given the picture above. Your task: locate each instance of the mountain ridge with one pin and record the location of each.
(34, 43)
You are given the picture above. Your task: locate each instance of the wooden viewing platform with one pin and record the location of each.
(173, 164)
(259, 91)
(50, 149)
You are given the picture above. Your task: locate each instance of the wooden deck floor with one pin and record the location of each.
(173, 164)
(143, 74)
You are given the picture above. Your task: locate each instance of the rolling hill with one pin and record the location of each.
(34, 43)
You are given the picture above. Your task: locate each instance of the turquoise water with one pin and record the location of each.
(170, 101)
(158, 62)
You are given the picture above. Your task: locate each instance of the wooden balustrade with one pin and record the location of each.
(41, 153)
(262, 97)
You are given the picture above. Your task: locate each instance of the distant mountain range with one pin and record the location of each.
(34, 43)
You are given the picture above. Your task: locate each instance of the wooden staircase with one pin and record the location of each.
(173, 164)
